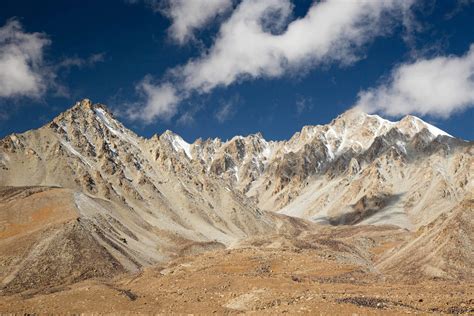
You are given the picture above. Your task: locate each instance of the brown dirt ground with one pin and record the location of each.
(249, 280)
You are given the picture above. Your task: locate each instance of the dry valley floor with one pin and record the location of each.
(308, 274)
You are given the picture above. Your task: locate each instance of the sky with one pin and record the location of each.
(220, 68)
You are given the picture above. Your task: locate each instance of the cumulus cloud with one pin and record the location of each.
(250, 44)
(161, 101)
(261, 40)
(188, 16)
(439, 87)
(22, 71)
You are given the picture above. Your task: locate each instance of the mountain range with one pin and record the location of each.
(84, 197)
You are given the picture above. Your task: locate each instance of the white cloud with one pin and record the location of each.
(332, 31)
(22, 71)
(187, 16)
(439, 86)
(259, 40)
(161, 101)
(190, 15)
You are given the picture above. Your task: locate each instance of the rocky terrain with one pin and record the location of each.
(338, 215)
(316, 276)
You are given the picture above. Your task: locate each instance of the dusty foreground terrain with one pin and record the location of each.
(276, 274)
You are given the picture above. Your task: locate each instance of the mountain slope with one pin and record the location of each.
(444, 249)
(136, 200)
(45, 242)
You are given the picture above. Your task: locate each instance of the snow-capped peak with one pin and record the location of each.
(178, 143)
(416, 125)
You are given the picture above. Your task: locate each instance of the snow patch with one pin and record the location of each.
(102, 116)
(181, 144)
(76, 153)
(236, 173)
(178, 143)
(330, 151)
(402, 147)
(419, 124)
(381, 120)
(436, 131)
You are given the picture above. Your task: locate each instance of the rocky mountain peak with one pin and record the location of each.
(351, 115)
(90, 132)
(89, 118)
(412, 125)
(86, 107)
(176, 142)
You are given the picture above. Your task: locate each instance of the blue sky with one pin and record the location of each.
(122, 54)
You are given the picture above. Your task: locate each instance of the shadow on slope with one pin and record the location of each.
(366, 207)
